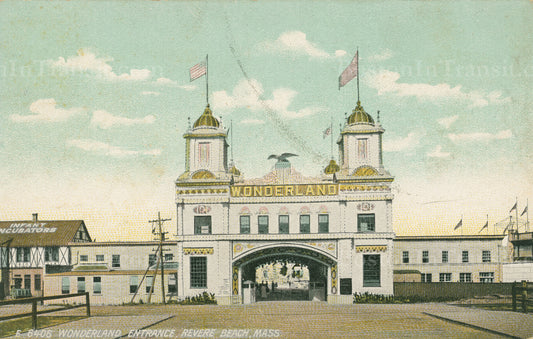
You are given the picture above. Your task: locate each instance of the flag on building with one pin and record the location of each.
(198, 70)
(514, 207)
(484, 226)
(459, 224)
(524, 212)
(327, 132)
(350, 72)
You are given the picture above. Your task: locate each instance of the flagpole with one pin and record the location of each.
(461, 225)
(487, 224)
(358, 73)
(331, 135)
(207, 78)
(516, 214)
(527, 215)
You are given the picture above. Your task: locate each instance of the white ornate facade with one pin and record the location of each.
(338, 224)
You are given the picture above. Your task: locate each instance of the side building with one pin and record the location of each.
(31, 248)
(337, 225)
(118, 272)
(521, 267)
(453, 258)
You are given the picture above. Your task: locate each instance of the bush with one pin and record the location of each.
(201, 299)
(369, 298)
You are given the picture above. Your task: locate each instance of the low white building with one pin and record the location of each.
(453, 258)
(118, 272)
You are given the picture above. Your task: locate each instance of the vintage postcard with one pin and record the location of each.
(291, 169)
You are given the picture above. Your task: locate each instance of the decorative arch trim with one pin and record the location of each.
(203, 174)
(365, 171)
(287, 248)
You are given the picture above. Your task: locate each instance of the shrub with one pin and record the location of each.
(369, 298)
(201, 299)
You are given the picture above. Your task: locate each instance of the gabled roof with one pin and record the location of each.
(42, 233)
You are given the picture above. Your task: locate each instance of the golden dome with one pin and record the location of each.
(207, 119)
(359, 116)
(235, 171)
(332, 167)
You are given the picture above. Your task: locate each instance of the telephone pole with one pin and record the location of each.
(161, 259)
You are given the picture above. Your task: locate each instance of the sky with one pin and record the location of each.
(95, 98)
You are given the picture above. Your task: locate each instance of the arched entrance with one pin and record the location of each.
(285, 272)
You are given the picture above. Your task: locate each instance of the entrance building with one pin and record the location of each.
(332, 231)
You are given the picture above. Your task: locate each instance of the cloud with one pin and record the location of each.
(106, 149)
(384, 55)
(387, 82)
(165, 81)
(46, 110)
(249, 94)
(480, 136)
(188, 87)
(87, 61)
(295, 42)
(448, 121)
(438, 153)
(402, 144)
(150, 93)
(252, 122)
(105, 120)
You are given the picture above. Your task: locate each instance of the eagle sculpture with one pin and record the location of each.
(282, 157)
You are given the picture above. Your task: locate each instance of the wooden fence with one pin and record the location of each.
(520, 291)
(34, 302)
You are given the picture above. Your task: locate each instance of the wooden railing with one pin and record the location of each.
(520, 291)
(34, 302)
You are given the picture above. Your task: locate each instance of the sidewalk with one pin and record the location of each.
(512, 324)
(100, 327)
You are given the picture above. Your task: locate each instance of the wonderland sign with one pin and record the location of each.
(284, 190)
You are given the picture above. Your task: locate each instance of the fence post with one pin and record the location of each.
(524, 296)
(34, 314)
(514, 297)
(87, 302)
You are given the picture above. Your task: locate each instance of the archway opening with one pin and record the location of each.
(286, 276)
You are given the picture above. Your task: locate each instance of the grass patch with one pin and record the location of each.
(10, 327)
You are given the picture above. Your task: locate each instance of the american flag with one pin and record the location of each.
(350, 72)
(198, 70)
(327, 132)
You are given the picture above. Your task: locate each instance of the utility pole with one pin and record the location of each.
(161, 259)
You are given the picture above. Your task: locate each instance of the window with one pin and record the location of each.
(134, 283)
(169, 257)
(445, 277)
(84, 258)
(284, 224)
(202, 224)
(262, 222)
(37, 278)
(245, 224)
(465, 256)
(198, 272)
(203, 154)
(65, 285)
(51, 254)
(18, 281)
(405, 257)
(152, 259)
(486, 277)
(485, 257)
(425, 257)
(305, 221)
(149, 283)
(27, 281)
(426, 277)
(366, 222)
(115, 260)
(444, 256)
(81, 284)
(323, 223)
(465, 277)
(346, 286)
(97, 285)
(99, 257)
(362, 148)
(172, 283)
(23, 254)
(371, 270)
